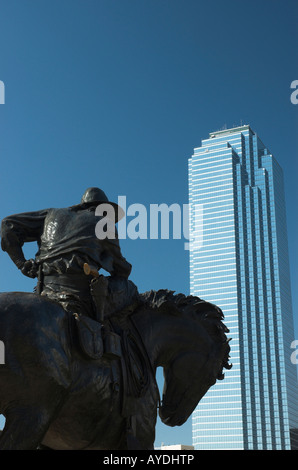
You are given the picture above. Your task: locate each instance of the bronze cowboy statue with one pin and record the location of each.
(67, 247)
(81, 352)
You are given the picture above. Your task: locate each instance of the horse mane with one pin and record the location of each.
(165, 300)
(168, 302)
(211, 316)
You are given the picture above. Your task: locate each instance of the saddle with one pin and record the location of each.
(96, 336)
(137, 375)
(95, 341)
(118, 338)
(114, 336)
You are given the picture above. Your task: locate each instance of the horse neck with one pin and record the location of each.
(160, 336)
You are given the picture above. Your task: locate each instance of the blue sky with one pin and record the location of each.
(117, 93)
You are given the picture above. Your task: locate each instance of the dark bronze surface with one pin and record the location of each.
(81, 352)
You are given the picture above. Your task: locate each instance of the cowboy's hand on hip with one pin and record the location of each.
(30, 268)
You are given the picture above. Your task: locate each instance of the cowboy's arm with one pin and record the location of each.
(122, 267)
(18, 229)
(116, 264)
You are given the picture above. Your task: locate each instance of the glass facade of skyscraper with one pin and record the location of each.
(239, 261)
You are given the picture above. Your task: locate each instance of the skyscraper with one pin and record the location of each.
(239, 261)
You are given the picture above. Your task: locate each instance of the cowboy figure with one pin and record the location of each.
(67, 241)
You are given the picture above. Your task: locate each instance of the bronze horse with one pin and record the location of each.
(54, 397)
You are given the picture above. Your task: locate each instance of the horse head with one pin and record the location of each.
(198, 351)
